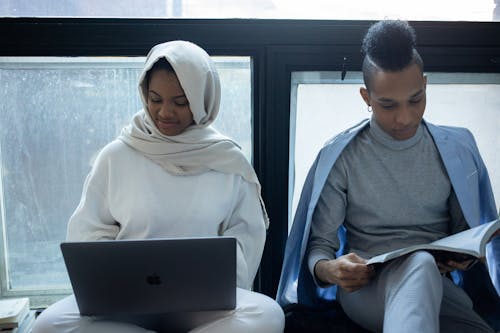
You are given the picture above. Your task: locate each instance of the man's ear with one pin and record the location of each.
(365, 94)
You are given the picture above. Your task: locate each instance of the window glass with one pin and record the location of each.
(459, 99)
(56, 114)
(423, 10)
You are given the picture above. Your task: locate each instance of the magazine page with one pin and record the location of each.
(470, 242)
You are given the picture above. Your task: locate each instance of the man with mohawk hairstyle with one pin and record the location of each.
(393, 181)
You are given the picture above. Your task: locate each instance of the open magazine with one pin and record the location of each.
(468, 244)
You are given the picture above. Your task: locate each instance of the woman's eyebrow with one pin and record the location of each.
(173, 97)
(417, 93)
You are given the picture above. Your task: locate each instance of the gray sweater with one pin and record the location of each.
(387, 193)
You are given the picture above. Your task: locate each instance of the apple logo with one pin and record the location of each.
(153, 279)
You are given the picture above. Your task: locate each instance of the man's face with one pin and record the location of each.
(397, 100)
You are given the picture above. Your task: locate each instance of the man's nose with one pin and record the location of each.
(403, 116)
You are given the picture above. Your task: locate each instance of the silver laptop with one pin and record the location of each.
(155, 276)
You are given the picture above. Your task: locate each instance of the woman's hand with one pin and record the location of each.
(349, 272)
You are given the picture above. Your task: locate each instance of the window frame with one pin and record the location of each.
(277, 48)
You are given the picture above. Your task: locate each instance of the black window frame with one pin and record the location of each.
(277, 48)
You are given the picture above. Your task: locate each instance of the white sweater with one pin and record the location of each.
(128, 196)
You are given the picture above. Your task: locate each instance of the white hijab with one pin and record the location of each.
(200, 147)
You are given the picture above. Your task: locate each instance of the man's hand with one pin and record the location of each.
(450, 265)
(450, 261)
(349, 272)
(496, 234)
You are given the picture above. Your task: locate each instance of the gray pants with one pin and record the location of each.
(410, 295)
(254, 313)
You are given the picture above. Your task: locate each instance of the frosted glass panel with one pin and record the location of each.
(423, 10)
(322, 105)
(56, 114)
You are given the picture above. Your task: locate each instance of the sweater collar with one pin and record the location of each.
(379, 135)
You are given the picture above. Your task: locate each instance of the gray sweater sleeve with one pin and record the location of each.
(327, 217)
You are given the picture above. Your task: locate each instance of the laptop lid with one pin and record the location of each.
(152, 276)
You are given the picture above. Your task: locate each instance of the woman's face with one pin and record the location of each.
(167, 104)
(398, 100)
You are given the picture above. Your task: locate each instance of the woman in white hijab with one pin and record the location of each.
(170, 174)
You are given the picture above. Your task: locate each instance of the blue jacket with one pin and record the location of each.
(468, 176)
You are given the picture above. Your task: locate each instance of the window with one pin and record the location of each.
(424, 10)
(56, 115)
(455, 99)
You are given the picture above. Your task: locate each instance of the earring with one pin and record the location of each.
(369, 108)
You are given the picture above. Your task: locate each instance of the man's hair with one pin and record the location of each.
(389, 45)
